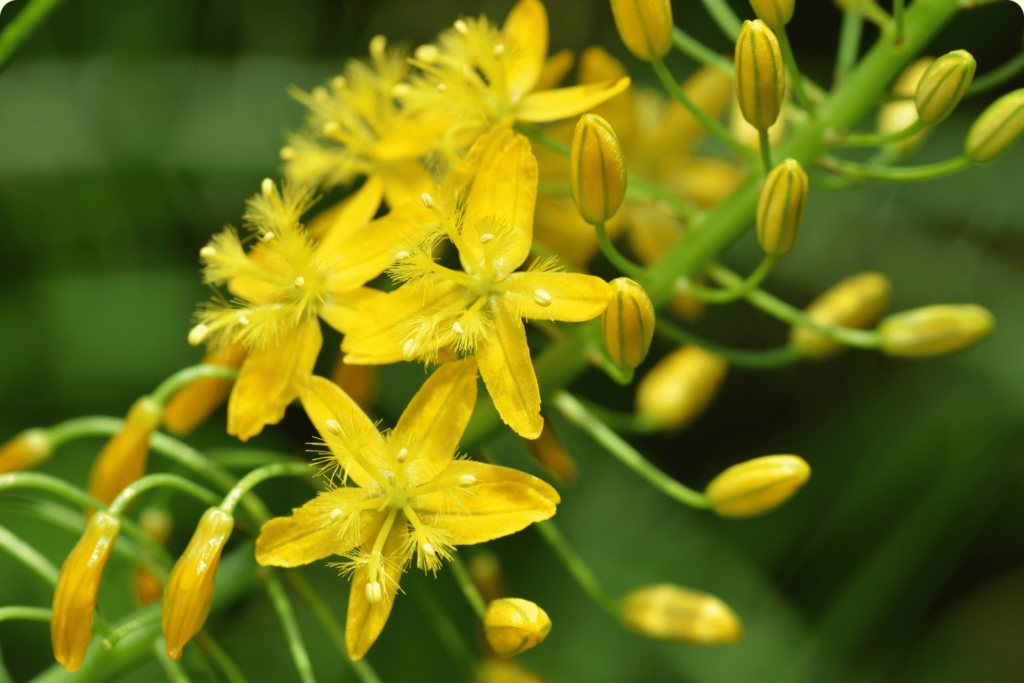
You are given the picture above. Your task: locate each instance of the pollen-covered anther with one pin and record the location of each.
(457, 328)
(401, 90)
(441, 87)
(197, 334)
(542, 297)
(486, 237)
(287, 153)
(374, 594)
(268, 237)
(333, 427)
(429, 550)
(377, 45)
(300, 282)
(427, 53)
(267, 187)
(320, 94)
(242, 320)
(409, 349)
(498, 49)
(428, 201)
(467, 480)
(339, 83)
(335, 514)
(461, 27)
(331, 128)
(402, 455)
(207, 252)
(401, 255)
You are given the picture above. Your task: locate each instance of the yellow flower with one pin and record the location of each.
(412, 496)
(514, 625)
(477, 310)
(25, 451)
(123, 458)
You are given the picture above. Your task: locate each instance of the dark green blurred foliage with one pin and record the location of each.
(131, 131)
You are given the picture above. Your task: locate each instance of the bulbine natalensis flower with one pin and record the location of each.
(123, 458)
(943, 85)
(680, 386)
(513, 625)
(935, 330)
(192, 405)
(780, 210)
(856, 302)
(680, 615)
(597, 170)
(757, 486)
(760, 76)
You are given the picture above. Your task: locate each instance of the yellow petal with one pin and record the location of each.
(573, 297)
(507, 370)
(310, 534)
(340, 310)
(365, 621)
(434, 420)
(337, 223)
(556, 68)
(597, 66)
(266, 383)
(552, 105)
(485, 147)
(526, 43)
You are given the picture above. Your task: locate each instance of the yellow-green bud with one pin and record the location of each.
(775, 13)
(680, 615)
(760, 78)
(997, 129)
(781, 207)
(757, 486)
(513, 626)
(901, 113)
(645, 26)
(943, 86)
(627, 325)
(856, 302)
(597, 171)
(935, 330)
(680, 386)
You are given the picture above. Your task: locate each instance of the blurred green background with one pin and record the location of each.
(132, 131)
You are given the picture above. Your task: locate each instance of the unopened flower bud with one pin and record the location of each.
(680, 615)
(485, 569)
(189, 590)
(760, 77)
(645, 26)
(943, 86)
(25, 451)
(935, 330)
(757, 486)
(900, 114)
(193, 404)
(627, 325)
(494, 670)
(74, 598)
(597, 171)
(513, 626)
(775, 13)
(680, 386)
(997, 129)
(123, 458)
(548, 452)
(856, 302)
(781, 207)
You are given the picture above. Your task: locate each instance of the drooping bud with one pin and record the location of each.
(193, 404)
(680, 386)
(189, 590)
(760, 77)
(757, 486)
(485, 569)
(901, 113)
(548, 452)
(775, 13)
(123, 458)
(627, 325)
(780, 209)
(25, 451)
(513, 626)
(856, 302)
(147, 587)
(935, 330)
(645, 26)
(997, 129)
(680, 615)
(944, 85)
(597, 171)
(74, 598)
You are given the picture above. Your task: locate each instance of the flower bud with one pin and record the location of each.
(25, 451)
(513, 626)
(597, 172)
(680, 615)
(775, 13)
(548, 452)
(192, 405)
(935, 330)
(757, 486)
(760, 78)
(901, 113)
(856, 302)
(680, 386)
(645, 26)
(189, 589)
(123, 458)
(997, 129)
(943, 86)
(147, 587)
(485, 569)
(780, 209)
(505, 671)
(627, 325)
(74, 599)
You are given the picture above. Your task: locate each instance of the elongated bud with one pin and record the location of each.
(74, 599)
(760, 78)
(680, 386)
(513, 626)
(627, 325)
(997, 129)
(775, 13)
(856, 302)
(193, 404)
(485, 569)
(645, 26)
(189, 588)
(25, 451)
(935, 330)
(757, 486)
(781, 207)
(901, 113)
(943, 86)
(147, 587)
(597, 172)
(548, 452)
(680, 615)
(123, 458)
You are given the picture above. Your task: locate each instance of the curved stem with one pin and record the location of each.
(468, 588)
(770, 359)
(576, 566)
(539, 137)
(789, 60)
(28, 556)
(25, 613)
(897, 16)
(186, 376)
(642, 188)
(700, 53)
(617, 259)
(150, 481)
(142, 619)
(996, 77)
(220, 657)
(879, 139)
(766, 150)
(281, 469)
(723, 15)
(722, 296)
(599, 357)
(22, 26)
(286, 615)
(622, 422)
(895, 174)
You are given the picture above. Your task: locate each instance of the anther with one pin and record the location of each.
(377, 45)
(300, 282)
(486, 237)
(374, 595)
(267, 237)
(335, 513)
(428, 201)
(498, 49)
(331, 128)
(457, 327)
(287, 153)
(333, 427)
(467, 480)
(401, 255)
(197, 334)
(402, 455)
(242, 320)
(338, 82)
(441, 87)
(426, 53)
(541, 297)
(267, 187)
(409, 349)
(400, 90)
(461, 27)
(429, 550)
(320, 94)
(207, 252)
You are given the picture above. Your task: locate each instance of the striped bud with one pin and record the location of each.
(645, 26)
(123, 458)
(680, 615)
(935, 330)
(627, 325)
(943, 86)
(513, 626)
(775, 13)
(780, 209)
(757, 486)
(997, 129)
(193, 404)
(856, 302)
(548, 452)
(597, 171)
(680, 386)
(25, 451)
(760, 80)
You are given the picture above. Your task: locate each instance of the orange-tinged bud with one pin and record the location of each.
(780, 209)
(548, 452)
(775, 13)
(680, 386)
(935, 330)
(997, 129)
(123, 458)
(856, 302)
(189, 588)
(193, 404)
(597, 171)
(680, 615)
(25, 451)
(147, 587)
(360, 382)
(627, 325)
(74, 599)
(645, 26)
(505, 671)
(944, 85)
(757, 486)
(485, 568)
(513, 626)
(760, 77)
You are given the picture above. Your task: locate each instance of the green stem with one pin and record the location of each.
(849, 43)
(25, 613)
(723, 15)
(700, 53)
(186, 376)
(151, 481)
(617, 259)
(281, 469)
(220, 657)
(789, 59)
(577, 568)
(28, 556)
(996, 77)
(623, 423)
(22, 26)
(469, 589)
(874, 13)
(172, 667)
(766, 150)
(286, 615)
(897, 15)
(752, 360)
(141, 619)
(245, 458)
(537, 136)
(722, 296)
(642, 188)
(599, 357)
(895, 174)
(879, 139)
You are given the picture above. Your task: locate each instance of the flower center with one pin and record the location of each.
(480, 285)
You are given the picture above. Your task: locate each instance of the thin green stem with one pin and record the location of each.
(996, 77)
(623, 423)
(766, 150)
(577, 568)
(617, 259)
(28, 556)
(24, 25)
(770, 359)
(880, 139)
(468, 588)
(638, 187)
(897, 16)
(220, 657)
(445, 628)
(599, 357)
(789, 59)
(539, 137)
(186, 376)
(25, 613)
(245, 458)
(895, 174)
(140, 620)
(152, 481)
(722, 296)
(286, 615)
(281, 469)
(723, 15)
(874, 13)
(172, 667)
(849, 43)
(700, 53)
